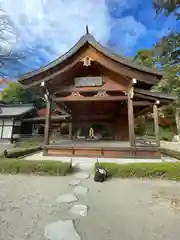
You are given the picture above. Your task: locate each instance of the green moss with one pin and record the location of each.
(15, 166)
(166, 170)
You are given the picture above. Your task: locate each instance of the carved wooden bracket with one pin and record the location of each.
(101, 94)
(87, 61)
(125, 92)
(76, 94)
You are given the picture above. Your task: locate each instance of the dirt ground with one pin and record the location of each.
(117, 209)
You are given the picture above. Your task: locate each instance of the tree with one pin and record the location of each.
(171, 82)
(167, 50)
(167, 6)
(165, 55)
(9, 37)
(16, 93)
(145, 57)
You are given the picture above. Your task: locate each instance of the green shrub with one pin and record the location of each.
(15, 166)
(166, 134)
(171, 153)
(19, 152)
(145, 127)
(166, 170)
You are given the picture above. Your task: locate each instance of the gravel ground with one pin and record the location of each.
(117, 209)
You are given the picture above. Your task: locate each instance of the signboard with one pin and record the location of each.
(88, 81)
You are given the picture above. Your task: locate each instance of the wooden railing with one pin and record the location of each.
(146, 141)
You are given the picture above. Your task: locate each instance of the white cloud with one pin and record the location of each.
(50, 28)
(60, 23)
(128, 30)
(117, 7)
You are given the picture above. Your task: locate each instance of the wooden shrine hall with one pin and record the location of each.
(101, 94)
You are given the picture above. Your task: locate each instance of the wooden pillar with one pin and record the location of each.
(47, 121)
(70, 131)
(131, 117)
(156, 123)
(60, 128)
(13, 122)
(178, 122)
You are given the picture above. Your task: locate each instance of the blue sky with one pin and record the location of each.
(46, 29)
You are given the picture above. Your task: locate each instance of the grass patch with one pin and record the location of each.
(20, 152)
(171, 153)
(29, 142)
(52, 168)
(170, 171)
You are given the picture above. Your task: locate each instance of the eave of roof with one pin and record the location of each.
(156, 95)
(42, 118)
(89, 39)
(15, 110)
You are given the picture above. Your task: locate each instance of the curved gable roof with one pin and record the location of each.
(89, 39)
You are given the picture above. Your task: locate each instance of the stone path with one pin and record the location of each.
(67, 198)
(79, 210)
(79, 190)
(64, 229)
(74, 182)
(61, 230)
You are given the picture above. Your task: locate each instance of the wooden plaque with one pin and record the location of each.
(88, 81)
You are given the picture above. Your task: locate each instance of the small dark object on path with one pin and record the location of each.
(6, 153)
(100, 174)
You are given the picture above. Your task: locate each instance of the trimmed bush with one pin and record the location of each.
(171, 153)
(164, 170)
(20, 152)
(53, 168)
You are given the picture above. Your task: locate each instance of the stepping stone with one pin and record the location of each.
(74, 182)
(67, 198)
(82, 175)
(79, 190)
(61, 230)
(80, 210)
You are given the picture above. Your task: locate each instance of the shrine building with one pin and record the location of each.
(98, 94)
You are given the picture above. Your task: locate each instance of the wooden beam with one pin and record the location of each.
(51, 76)
(89, 89)
(86, 99)
(122, 70)
(156, 124)
(142, 103)
(61, 109)
(47, 121)
(131, 118)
